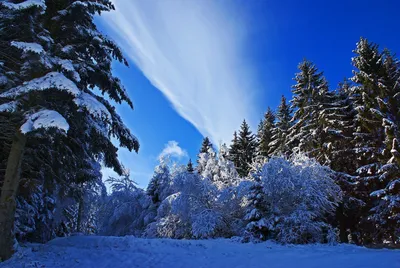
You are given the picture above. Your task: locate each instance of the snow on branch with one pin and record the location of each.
(44, 119)
(25, 4)
(50, 80)
(9, 106)
(92, 105)
(28, 47)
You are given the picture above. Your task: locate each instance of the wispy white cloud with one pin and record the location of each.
(173, 149)
(192, 51)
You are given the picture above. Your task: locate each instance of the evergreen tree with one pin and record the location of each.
(308, 95)
(205, 145)
(246, 147)
(376, 101)
(312, 101)
(280, 132)
(264, 135)
(256, 211)
(53, 89)
(339, 131)
(189, 166)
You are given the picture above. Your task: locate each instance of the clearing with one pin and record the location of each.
(99, 251)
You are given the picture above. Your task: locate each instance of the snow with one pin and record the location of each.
(67, 49)
(69, 67)
(97, 251)
(92, 105)
(50, 80)
(9, 106)
(25, 4)
(32, 47)
(44, 119)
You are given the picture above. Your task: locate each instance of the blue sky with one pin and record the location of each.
(199, 67)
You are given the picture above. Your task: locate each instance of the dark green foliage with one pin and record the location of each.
(57, 165)
(264, 135)
(279, 141)
(206, 145)
(189, 166)
(310, 97)
(246, 149)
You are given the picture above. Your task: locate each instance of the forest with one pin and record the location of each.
(324, 167)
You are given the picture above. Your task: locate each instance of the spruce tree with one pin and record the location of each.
(311, 102)
(376, 101)
(205, 145)
(189, 166)
(385, 211)
(246, 146)
(234, 150)
(279, 141)
(52, 88)
(264, 135)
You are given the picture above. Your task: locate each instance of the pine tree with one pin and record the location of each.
(385, 212)
(205, 145)
(375, 97)
(339, 130)
(256, 211)
(309, 94)
(311, 100)
(369, 134)
(280, 132)
(264, 135)
(54, 83)
(189, 166)
(246, 146)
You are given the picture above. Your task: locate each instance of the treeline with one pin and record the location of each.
(353, 129)
(323, 167)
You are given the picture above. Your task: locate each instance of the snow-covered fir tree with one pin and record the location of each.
(189, 166)
(264, 135)
(234, 155)
(309, 101)
(246, 146)
(279, 140)
(52, 89)
(375, 96)
(206, 145)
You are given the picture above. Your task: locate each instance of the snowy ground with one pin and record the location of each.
(92, 251)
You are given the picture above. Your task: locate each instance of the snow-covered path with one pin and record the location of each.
(97, 251)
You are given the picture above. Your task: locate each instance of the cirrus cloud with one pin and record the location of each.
(192, 51)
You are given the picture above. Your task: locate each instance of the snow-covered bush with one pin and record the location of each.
(292, 199)
(181, 215)
(200, 205)
(127, 211)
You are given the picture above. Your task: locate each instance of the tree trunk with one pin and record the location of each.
(8, 196)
